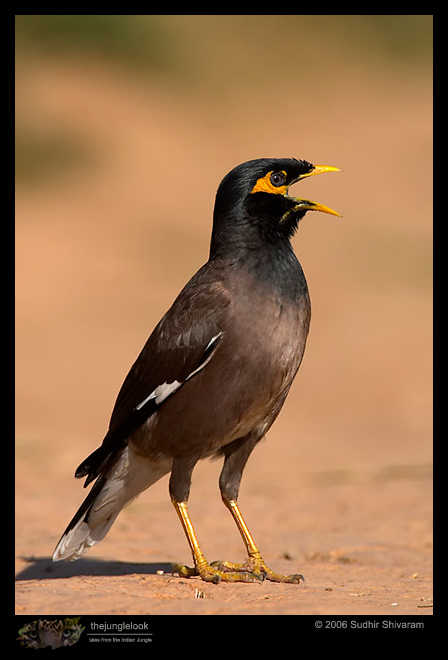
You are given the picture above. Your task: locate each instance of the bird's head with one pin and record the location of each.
(255, 195)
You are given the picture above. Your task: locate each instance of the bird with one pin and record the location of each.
(214, 373)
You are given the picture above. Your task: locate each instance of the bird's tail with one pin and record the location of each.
(131, 474)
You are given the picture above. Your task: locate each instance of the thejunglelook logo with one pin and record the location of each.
(42, 633)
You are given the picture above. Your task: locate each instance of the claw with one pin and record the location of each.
(216, 572)
(296, 578)
(255, 566)
(183, 571)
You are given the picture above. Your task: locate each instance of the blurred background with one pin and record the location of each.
(125, 126)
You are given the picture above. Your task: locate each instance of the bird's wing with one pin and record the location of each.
(181, 345)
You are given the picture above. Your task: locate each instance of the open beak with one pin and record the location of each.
(306, 204)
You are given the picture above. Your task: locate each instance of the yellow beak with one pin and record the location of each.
(306, 204)
(319, 169)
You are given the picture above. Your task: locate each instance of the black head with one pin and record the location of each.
(252, 203)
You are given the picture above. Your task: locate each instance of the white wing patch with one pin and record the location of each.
(160, 393)
(213, 340)
(163, 391)
(209, 346)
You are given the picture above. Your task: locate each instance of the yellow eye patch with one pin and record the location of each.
(268, 183)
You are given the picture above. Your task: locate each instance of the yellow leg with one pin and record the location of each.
(201, 565)
(182, 512)
(251, 548)
(256, 563)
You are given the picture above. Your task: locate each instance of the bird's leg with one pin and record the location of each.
(255, 563)
(237, 454)
(179, 490)
(198, 558)
(206, 571)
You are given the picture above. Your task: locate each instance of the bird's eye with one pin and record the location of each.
(278, 179)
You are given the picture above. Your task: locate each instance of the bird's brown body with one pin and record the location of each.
(247, 392)
(215, 371)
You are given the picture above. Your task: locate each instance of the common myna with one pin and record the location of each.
(215, 372)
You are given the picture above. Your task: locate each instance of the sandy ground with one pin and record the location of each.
(341, 490)
(363, 545)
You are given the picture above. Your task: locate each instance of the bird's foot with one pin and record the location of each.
(215, 574)
(257, 567)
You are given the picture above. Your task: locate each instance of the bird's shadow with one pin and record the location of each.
(43, 568)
